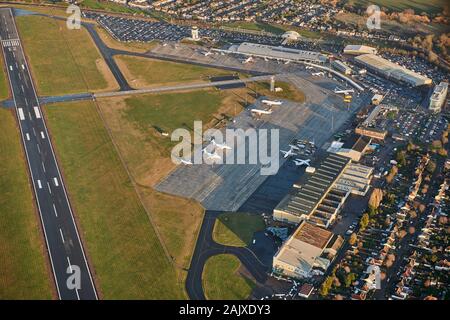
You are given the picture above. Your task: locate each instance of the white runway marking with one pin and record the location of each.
(43, 167)
(39, 184)
(49, 189)
(28, 136)
(36, 111)
(62, 236)
(54, 209)
(39, 149)
(21, 115)
(55, 181)
(42, 135)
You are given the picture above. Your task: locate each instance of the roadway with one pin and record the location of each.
(206, 247)
(64, 247)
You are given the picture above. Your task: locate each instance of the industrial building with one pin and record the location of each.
(437, 99)
(309, 248)
(374, 133)
(280, 53)
(359, 49)
(320, 197)
(354, 147)
(392, 70)
(342, 67)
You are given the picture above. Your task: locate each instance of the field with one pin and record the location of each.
(144, 72)
(289, 91)
(128, 259)
(109, 6)
(237, 229)
(222, 281)
(146, 154)
(23, 270)
(4, 91)
(75, 65)
(256, 26)
(419, 6)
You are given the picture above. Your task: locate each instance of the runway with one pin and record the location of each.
(67, 258)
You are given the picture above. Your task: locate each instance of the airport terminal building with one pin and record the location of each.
(391, 70)
(321, 196)
(280, 53)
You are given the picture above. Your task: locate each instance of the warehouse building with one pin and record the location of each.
(322, 195)
(437, 99)
(359, 49)
(308, 249)
(280, 53)
(392, 70)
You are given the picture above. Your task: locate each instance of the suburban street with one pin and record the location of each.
(66, 253)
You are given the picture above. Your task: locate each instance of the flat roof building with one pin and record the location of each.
(307, 248)
(359, 49)
(391, 70)
(272, 52)
(353, 148)
(374, 133)
(437, 99)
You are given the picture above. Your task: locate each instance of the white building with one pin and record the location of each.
(359, 49)
(194, 33)
(437, 99)
(391, 70)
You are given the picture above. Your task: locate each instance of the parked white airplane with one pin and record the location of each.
(211, 156)
(300, 162)
(294, 147)
(287, 61)
(288, 153)
(183, 161)
(220, 145)
(318, 74)
(249, 59)
(207, 53)
(272, 102)
(258, 111)
(308, 67)
(338, 90)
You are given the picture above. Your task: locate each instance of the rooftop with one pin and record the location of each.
(392, 70)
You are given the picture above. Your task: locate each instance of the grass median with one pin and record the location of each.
(144, 72)
(222, 281)
(237, 229)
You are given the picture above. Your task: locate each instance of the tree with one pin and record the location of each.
(375, 198)
(349, 279)
(326, 286)
(431, 166)
(364, 222)
(352, 239)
